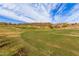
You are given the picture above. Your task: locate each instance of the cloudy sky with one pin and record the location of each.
(38, 12)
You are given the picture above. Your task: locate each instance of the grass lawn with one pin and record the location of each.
(52, 42)
(39, 42)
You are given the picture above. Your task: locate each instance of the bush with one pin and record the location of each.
(65, 25)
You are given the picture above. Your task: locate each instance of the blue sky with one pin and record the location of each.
(39, 12)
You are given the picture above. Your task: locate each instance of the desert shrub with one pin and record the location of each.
(65, 25)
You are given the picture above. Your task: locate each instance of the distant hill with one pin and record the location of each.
(43, 25)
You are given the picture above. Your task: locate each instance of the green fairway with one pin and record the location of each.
(38, 42)
(52, 42)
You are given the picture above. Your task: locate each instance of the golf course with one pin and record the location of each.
(17, 41)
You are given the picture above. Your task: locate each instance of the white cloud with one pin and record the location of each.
(13, 15)
(25, 12)
(38, 12)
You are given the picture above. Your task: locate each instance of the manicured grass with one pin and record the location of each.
(38, 42)
(52, 42)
